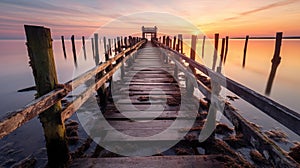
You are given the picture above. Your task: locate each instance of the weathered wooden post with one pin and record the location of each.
(63, 46)
(83, 47)
(119, 45)
(275, 62)
(226, 48)
(180, 43)
(219, 69)
(245, 51)
(125, 42)
(164, 40)
(39, 45)
(74, 50)
(109, 44)
(97, 59)
(93, 47)
(174, 43)
(104, 45)
(215, 51)
(193, 51)
(203, 45)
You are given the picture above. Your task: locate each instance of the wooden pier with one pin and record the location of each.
(158, 77)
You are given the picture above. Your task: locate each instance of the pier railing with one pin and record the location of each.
(102, 73)
(250, 132)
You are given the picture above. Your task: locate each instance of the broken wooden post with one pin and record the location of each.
(193, 51)
(275, 62)
(83, 47)
(40, 51)
(226, 48)
(219, 69)
(74, 50)
(245, 51)
(203, 45)
(215, 51)
(93, 47)
(63, 46)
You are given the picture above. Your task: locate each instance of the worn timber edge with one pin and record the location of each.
(253, 135)
(15, 119)
(152, 161)
(280, 113)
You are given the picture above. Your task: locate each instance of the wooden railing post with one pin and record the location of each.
(275, 62)
(215, 56)
(63, 46)
(245, 51)
(39, 45)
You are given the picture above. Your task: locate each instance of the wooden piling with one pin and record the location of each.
(83, 47)
(203, 45)
(104, 45)
(97, 59)
(39, 45)
(63, 46)
(193, 51)
(115, 46)
(109, 50)
(74, 50)
(275, 62)
(174, 43)
(245, 51)
(219, 69)
(215, 51)
(180, 43)
(164, 40)
(119, 44)
(93, 47)
(226, 48)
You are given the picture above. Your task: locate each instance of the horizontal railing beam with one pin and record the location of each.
(280, 113)
(16, 119)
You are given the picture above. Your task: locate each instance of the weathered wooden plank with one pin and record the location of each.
(152, 161)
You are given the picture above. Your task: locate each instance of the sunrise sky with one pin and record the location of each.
(228, 17)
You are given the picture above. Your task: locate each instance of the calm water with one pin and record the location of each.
(16, 74)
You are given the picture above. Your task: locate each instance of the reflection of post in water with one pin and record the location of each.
(215, 51)
(83, 47)
(245, 51)
(96, 49)
(63, 46)
(74, 51)
(275, 62)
